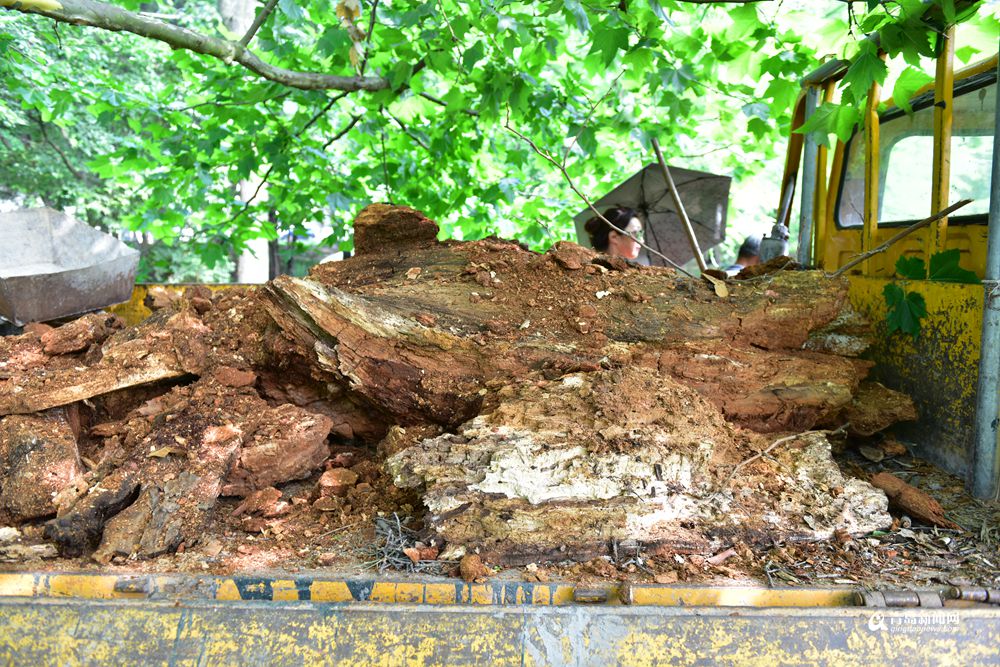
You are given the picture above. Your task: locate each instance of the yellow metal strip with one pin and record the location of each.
(503, 593)
(670, 596)
(944, 89)
(821, 217)
(871, 121)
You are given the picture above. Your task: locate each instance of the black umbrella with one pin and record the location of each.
(705, 197)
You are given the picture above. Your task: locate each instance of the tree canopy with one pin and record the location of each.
(166, 121)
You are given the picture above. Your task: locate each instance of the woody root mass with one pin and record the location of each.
(541, 405)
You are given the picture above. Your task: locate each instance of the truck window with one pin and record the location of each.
(906, 150)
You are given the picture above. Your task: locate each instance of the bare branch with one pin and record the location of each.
(107, 16)
(590, 115)
(267, 174)
(407, 131)
(572, 186)
(83, 176)
(442, 103)
(347, 128)
(906, 232)
(368, 37)
(258, 22)
(322, 112)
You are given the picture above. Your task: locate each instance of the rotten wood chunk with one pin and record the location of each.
(78, 335)
(290, 443)
(157, 350)
(875, 407)
(152, 525)
(571, 466)
(38, 459)
(80, 530)
(381, 227)
(590, 400)
(912, 501)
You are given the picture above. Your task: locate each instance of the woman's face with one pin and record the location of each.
(621, 245)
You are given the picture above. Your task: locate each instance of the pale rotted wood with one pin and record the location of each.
(79, 385)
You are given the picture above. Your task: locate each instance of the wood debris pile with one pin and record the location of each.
(543, 405)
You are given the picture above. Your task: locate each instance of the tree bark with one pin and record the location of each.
(107, 16)
(579, 397)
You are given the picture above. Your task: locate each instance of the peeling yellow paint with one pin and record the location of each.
(939, 369)
(135, 309)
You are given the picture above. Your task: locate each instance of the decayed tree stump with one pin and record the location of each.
(234, 393)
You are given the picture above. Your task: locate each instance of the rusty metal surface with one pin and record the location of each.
(52, 266)
(938, 370)
(35, 632)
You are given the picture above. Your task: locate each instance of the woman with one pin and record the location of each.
(612, 242)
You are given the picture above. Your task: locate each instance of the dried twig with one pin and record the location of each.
(258, 22)
(392, 536)
(770, 448)
(339, 529)
(906, 232)
(406, 130)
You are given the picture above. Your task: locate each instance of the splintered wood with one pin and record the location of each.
(543, 405)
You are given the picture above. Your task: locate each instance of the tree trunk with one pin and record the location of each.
(581, 401)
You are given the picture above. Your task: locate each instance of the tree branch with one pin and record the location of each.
(258, 22)
(106, 16)
(407, 131)
(83, 176)
(906, 232)
(347, 128)
(322, 112)
(368, 38)
(442, 103)
(267, 174)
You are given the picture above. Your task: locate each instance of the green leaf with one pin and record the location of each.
(400, 74)
(608, 41)
(905, 310)
(945, 267)
(334, 41)
(908, 83)
(783, 93)
(579, 15)
(473, 55)
(757, 110)
(911, 268)
(829, 118)
(291, 9)
(745, 21)
(866, 69)
(965, 53)
(948, 9)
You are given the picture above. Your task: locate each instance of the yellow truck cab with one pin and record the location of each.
(899, 168)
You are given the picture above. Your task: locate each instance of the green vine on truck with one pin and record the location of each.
(907, 308)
